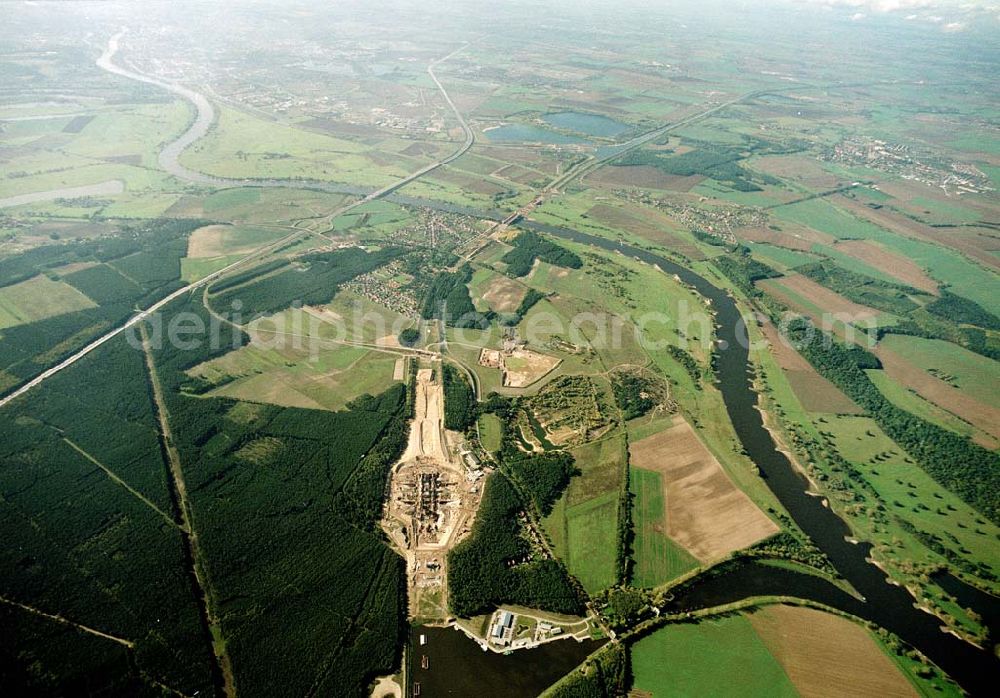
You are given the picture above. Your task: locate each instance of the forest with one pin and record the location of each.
(707, 159)
(447, 299)
(634, 394)
(492, 566)
(949, 317)
(605, 674)
(460, 407)
(131, 268)
(881, 295)
(313, 280)
(302, 483)
(81, 545)
(743, 270)
(529, 246)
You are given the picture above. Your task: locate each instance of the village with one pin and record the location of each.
(957, 178)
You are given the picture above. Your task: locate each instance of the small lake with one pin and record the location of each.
(528, 133)
(457, 666)
(590, 124)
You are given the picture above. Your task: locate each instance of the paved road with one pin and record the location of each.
(169, 161)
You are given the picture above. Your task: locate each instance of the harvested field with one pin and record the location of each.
(938, 391)
(477, 185)
(896, 265)
(644, 176)
(416, 149)
(818, 296)
(979, 244)
(529, 157)
(705, 512)
(826, 655)
(647, 223)
(815, 392)
(523, 367)
(787, 358)
(790, 236)
(78, 123)
(504, 295)
(220, 240)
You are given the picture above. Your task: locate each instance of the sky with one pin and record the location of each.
(949, 15)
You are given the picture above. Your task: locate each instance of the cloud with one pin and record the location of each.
(951, 15)
(884, 6)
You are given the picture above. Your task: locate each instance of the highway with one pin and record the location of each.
(169, 161)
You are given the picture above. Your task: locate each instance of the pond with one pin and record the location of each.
(590, 124)
(528, 133)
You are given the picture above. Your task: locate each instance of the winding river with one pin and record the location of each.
(885, 604)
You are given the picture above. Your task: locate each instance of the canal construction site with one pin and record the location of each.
(433, 498)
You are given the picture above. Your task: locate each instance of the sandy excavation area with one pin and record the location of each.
(425, 432)
(705, 512)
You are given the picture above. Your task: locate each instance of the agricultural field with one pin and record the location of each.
(39, 298)
(658, 559)
(709, 657)
(326, 376)
(774, 650)
(563, 225)
(705, 513)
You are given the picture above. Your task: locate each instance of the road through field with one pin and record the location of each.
(169, 161)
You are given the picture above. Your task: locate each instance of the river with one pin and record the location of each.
(886, 604)
(457, 666)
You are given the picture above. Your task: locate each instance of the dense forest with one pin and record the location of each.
(303, 484)
(93, 532)
(313, 280)
(712, 160)
(529, 246)
(634, 394)
(447, 299)
(409, 337)
(249, 274)
(743, 270)
(460, 408)
(81, 545)
(875, 293)
(958, 464)
(949, 317)
(492, 566)
(543, 475)
(604, 674)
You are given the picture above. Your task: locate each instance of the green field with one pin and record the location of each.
(241, 145)
(658, 559)
(489, 432)
(906, 399)
(972, 373)
(584, 522)
(723, 657)
(328, 377)
(39, 298)
(592, 541)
